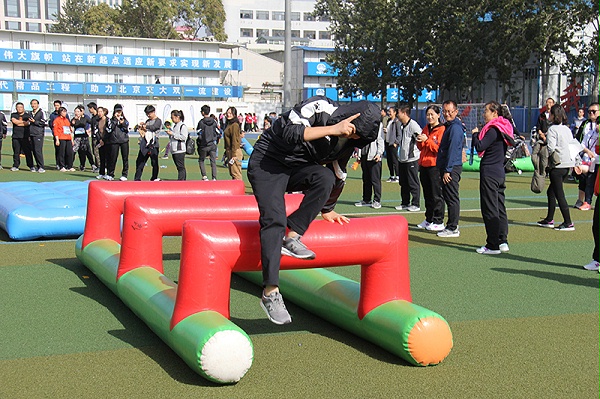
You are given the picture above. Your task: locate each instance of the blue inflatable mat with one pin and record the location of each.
(30, 210)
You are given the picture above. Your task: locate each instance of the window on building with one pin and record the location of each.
(308, 16)
(26, 74)
(147, 79)
(146, 50)
(262, 33)
(11, 25)
(32, 9)
(33, 27)
(57, 76)
(278, 33)
(245, 32)
(118, 78)
(174, 80)
(99, 48)
(156, 79)
(324, 35)
(246, 14)
(24, 44)
(201, 53)
(295, 16)
(117, 49)
(262, 15)
(201, 80)
(56, 46)
(174, 52)
(88, 77)
(88, 48)
(278, 15)
(52, 8)
(324, 18)
(12, 8)
(296, 33)
(310, 34)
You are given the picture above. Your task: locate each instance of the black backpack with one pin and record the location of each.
(190, 146)
(207, 134)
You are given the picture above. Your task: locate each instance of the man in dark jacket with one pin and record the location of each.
(93, 110)
(37, 127)
(20, 137)
(51, 118)
(290, 156)
(449, 161)
(3, 130)
(207, 142)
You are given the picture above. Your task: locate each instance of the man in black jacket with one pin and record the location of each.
(37, 127)
(20, 137)
(289, 156)
(3, 129)
(207, 142)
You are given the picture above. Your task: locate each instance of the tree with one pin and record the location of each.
(196, 14)
(69, 20)
(149, 19)
(102, 20)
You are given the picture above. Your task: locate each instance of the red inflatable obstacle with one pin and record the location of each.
(212, 250)
(146, 221)
(106, 201)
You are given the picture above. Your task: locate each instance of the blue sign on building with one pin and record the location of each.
(119, 60)
(392, 95)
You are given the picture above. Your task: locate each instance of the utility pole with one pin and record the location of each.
(287, 59)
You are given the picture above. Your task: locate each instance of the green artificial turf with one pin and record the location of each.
(525, 323)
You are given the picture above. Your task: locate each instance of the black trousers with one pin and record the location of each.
(452, 197)
(36, 143)
(104, 155)
(18, 145)
(84, 151)
(432, 193)
(211, 151)
(408, 177)
(556, 193)
(371, 178)
(270, 180)
(586, 184)
(595, 229)
(65, 154)
(391, 154)
(179, 160)
(140, 162)
(114, 155)
(493, 210)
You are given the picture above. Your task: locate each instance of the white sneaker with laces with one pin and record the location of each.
(363, 203)
(486, 251)
(436, 227)
(593, 266)
(423, 225)
(413, 208)
(446, 233)
(504, 247)
(376, 205)
(123, 178)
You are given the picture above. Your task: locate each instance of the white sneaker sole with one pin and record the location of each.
(286, 252)
(272, 320)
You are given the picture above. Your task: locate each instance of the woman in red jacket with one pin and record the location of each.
(63, 139)
(428, 143)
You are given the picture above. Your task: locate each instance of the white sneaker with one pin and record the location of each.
(436, 227)
(593, 266)
(100, 177)
(423, 225)
(63, 169)
(486, 251)
(363, 203)
(504, 247)
(376, 205)
(108, 178)
(123, 178)
(449, 233)
(204, 178)
(13, 169)
(413, 208)
(41, 170)
(401, 207)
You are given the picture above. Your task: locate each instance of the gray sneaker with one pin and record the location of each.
(376, 205)
(275, 308)
(413, 208)
(363, 203)
(449, 233)
(296, 249)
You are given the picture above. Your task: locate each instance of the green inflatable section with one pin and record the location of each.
(523, 164)
(209, 343)
(335, 299)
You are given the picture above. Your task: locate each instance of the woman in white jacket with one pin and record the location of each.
(178, 135)
(558, 138)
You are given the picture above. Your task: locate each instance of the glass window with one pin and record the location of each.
(11, 25)
(32, 8)
(201, 53)
(174, 80)
(146, 50)
(262, 33)
(24, 44)
(56, 46)
(310, 34)
(278, 15)
(174, 52)
(89, 77)
(244, 32)
(118, 78)
(246, 14)
(264, 15)
(117, 49)
(26, 74)
(295, 33)
(295, 16)
(34, 27)
(324, 35)
(278, 33)
(52, 9)
(308, 16)
(88, 48)
(11, 8)
(58, 76)
(324, 18)
(147, 79)
(201, 80)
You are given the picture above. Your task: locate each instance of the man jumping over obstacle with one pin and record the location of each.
(290, 156)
